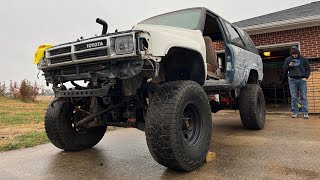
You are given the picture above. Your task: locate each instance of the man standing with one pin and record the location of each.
(298, 69)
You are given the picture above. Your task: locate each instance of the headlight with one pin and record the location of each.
(124, 45)
(41, 63)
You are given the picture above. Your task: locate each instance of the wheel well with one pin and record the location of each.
(183, 64)
(253, 77)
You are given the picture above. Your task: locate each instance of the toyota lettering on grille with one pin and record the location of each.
(94, 45)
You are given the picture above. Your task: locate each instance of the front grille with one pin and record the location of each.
(91, 54)
(60, 51)
(60, 59)
(91, 45)
(94, 49)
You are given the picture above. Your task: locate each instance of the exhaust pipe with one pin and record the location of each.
(104, 25)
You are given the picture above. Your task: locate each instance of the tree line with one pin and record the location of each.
(24, 91)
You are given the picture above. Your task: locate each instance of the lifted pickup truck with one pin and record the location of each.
(164, 76)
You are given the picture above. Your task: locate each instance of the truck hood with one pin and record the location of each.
(168, 29)
(165, 37)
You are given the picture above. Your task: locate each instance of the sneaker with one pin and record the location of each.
(306, 115)
(294, 115)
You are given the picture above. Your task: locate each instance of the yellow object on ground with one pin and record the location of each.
(211, 156)
(40, 52)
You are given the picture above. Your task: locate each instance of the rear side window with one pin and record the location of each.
(234, 36)
(248, 41)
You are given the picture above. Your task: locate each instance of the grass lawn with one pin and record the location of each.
(21, 124)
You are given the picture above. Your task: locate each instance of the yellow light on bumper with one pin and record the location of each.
(40, 52)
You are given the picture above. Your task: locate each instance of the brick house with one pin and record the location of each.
(274, 34)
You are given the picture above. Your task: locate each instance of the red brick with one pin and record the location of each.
(309, 39)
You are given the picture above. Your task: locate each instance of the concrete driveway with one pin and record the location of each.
(286, 149)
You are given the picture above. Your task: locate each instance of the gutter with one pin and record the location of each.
(289, 24)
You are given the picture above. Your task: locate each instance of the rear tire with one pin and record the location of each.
(62, 134)
(252, 107)
(179, 125)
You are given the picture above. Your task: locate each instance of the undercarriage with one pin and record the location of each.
(110, 94)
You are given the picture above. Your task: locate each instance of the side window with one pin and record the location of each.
(248, 41)
(234, 36)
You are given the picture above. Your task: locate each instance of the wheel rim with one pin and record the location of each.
(191, 124)
(76, 116)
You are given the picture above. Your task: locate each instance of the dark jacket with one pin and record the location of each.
(300, 70)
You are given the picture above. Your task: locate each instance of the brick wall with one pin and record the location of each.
(315, 66)
(218, 45)
(313, 94)
(309, 39)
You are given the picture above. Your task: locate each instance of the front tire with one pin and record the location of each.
(62, 134)
(179, 125)
(252, 107)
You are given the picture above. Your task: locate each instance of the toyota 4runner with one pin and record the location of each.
(165, 76)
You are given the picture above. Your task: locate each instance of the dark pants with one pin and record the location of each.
(296, 86)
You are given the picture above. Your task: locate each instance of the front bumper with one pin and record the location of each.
(104, 70)
(101, 92)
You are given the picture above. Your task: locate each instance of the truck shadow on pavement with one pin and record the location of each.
(68, 165)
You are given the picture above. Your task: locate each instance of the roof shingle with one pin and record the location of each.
(311, 9)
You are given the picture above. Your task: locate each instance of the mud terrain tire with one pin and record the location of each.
(179, 125)
(58, 125)
(252, 107)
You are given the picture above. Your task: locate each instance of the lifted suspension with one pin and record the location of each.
(98, 114)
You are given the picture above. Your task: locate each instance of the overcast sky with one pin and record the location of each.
(24, 25)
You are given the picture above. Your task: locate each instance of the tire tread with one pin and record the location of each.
(161, 134)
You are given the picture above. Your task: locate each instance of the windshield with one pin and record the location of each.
(188, 19)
